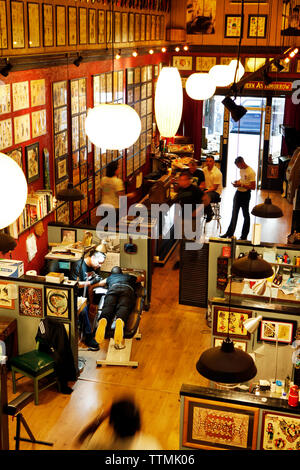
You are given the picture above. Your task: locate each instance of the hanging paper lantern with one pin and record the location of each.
(168, 101)
(113, 126)
(221, 75)
(13, 190)
(239, 71)
(200, 86)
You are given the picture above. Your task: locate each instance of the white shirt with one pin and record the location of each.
(110, 188)
(212, 177)
(247, 176)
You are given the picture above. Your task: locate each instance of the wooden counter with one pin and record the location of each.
(237, 289)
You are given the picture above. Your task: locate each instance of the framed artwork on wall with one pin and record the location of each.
(16, 155)
(271, 330)
(17, 24)
(68, 235)
(148, 27)
(109, 26)
(5, 300)
(6, 139)
(233, 26)
(209, 424)
(20, 92)
(124, 27)
(131, 27)
(237, 344)
(22, 128)
(72, 25)
(183, 63)
(48, 34)
(57, 303)
(63, 213)
(32, 158)
(101, 26)
(257, 26)
(38, 123)
(3, 25)
(82, 25)
(61, 168)
(38, 92)
(280, 431)
(31, 301)
(143, 28)
(236, 319)
(5, 99)
(60, 25)
(92, 26)
(137, 27)
(204, 64)
(33, 19)
(117, 20)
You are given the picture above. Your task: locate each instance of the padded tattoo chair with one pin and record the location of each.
(120, 356)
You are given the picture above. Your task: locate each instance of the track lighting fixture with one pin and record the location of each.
(278, 65)
(6, 69)
(151, 51)
(163, 49)
(78, 61)
(118, 55)
(177, 49)
(186, 48)
(236, 111)
(266, 77)
(135, 53)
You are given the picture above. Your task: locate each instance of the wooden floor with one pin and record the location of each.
(173, 337)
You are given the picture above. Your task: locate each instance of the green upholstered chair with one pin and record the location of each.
(36, 365)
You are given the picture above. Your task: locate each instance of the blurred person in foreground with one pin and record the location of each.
(117, 427)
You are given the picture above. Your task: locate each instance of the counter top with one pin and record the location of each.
(256, 304)
(237, 290)
(244, 398)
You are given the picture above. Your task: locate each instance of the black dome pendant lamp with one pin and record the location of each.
(267, 210)
(70, 194)
(252, 266)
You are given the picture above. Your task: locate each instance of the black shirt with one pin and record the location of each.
(80, 271)
(121, 279)
(198, 176)
(191, 195)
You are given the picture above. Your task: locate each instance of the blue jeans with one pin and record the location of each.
(84, 322)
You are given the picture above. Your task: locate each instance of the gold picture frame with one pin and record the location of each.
(92, 26)
(82, 25)
(33, 18)
(3, 25)
(72, 25)
(48, 34)
(17, 24)
(117, 27)
(130, 27)
(60, 25)
(101, 26)
(124, 27)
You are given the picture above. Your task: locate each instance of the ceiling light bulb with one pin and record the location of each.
(134, 53)
(286, 60)
(296, 50)
(186, 48)
(118, 56)
(177, 49)
(151, 51)
(163, 49)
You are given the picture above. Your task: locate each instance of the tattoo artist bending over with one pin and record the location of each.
(119, 301)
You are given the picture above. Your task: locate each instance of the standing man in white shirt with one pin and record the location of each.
(213, 180)
(244, 185)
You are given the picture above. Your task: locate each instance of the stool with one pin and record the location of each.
(35, 365)
(217, 216)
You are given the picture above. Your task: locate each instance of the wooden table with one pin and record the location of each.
(237, 289)
(8, 331)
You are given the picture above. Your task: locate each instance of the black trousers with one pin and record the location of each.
(119, 301)
(241, 200)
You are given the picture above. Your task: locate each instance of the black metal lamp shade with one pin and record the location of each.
(225, 364)
(267, 210)
(70, 194)
(252, 267)
(7, 243)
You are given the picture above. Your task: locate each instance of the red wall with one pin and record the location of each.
(53, 74)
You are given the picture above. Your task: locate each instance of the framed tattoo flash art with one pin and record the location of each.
(235, 318)
(3, 25)
(280, 432)
(33, 16)
(48, 24)
(60, 25)
(57, 302)
(5, 300)
(209, 424)
(274, 330)
(16, 155)
(17, 24)
(183, 63)
(257, 26)
(31, 301)
(68, 235)
(233, 26)
(32, 162)
(72, 25)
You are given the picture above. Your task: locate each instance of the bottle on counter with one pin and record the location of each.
(293, 399)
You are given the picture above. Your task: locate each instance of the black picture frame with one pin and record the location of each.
(72, 32)
(70, 231)
(47, 34)
(61, 8)
(32, 167)
(63, 309)
(16, 25)
(226, 34)
(30, 23)
(254, 36)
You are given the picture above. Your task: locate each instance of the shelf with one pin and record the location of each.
(285, 265)
(37, 221)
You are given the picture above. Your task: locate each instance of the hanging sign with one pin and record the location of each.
(282, 86)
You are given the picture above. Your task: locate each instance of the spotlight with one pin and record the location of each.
(266, 78)
(286, 60)
(151, 51)
(6, 69)
(278, 65)
(163, 49)
(177, 49)
(236, 111)
(135, 53)
(186, 48)
(78, 61)
(118, 55)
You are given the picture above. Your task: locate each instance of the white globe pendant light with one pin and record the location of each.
(221, 75)
(238, 70)
(168, 101)
(13, 190)
(113, 126)
(200, 86)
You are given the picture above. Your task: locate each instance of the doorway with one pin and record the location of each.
(246, 138)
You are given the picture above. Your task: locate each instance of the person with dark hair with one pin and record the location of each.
(123, 430)
(241, 200)
(196, 173)
(84, 271)
(119, 301)
(213, 179)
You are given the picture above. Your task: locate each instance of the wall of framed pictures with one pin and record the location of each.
(38, 26)
(139, 92)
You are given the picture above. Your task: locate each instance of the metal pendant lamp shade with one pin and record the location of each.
(267, 210)
(252, 267)
(225, 364)
(70, 194)
(7, 243)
